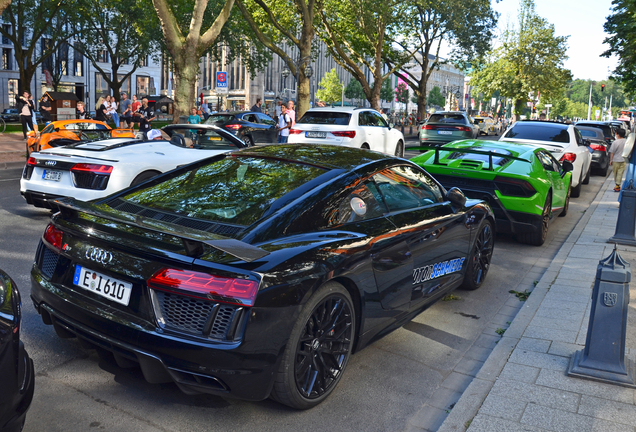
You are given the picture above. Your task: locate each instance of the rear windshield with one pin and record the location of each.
(539, 132)
(588, 133)
(482, 157)
(326, 118)
(207, 139)
(478, 120)
(447, 118)
(235, 190)
(607, 131)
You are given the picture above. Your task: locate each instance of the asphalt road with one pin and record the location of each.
(409, 378)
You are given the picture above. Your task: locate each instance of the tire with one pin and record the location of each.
(365, 146)
(247, 140)
(399, 149)
(586, 180)
(566, 206)
(603, 171)
(576, 191)
(302, 384)
(146, 175)
(479, 261)
(538, 237)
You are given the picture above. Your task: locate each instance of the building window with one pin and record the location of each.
(6, 59)
(47, 64)
(143, 61)
(143, 85)
(62, 58)
(79, 63)
(101, 86)
(102, 56)
(125, 86)
(13, 91)
(7, 29)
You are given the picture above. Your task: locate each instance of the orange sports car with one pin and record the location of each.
(65, 132)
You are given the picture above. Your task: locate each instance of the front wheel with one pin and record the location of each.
(318, 349)
(479, 261)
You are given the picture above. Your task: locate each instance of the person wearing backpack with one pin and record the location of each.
(284, 125)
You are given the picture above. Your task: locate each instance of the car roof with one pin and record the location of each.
(324, 156)
(449, 112)
(592, 122)
(548, 123)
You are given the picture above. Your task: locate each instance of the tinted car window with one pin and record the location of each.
(234, 190)
(545, 160)
(607, 130)
(354, 204)
(250, 118)
(326, 118)
(447, 118)
(403, 188)
(376, 119)
(539, 132)
(588, 133)
(85, 126)
(265, 119)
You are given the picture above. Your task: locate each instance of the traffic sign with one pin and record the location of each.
(221, 82)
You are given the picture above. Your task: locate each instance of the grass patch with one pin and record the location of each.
(451, 297)
(522, 296)
(500, 331)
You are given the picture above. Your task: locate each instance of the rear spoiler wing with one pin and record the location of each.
(192, 241)
(490, 154)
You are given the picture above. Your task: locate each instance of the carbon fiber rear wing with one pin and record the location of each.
(192, 241)
(490, 154)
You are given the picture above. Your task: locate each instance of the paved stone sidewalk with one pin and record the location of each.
(522, 386)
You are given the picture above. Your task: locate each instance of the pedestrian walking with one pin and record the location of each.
(284, 125)
(194, 117)
(82, 114)
(257, 106)
(26, 108)
(291, 112)
(45, 109)
(125, 107)
(616, 158)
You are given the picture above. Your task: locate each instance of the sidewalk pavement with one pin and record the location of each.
(12, 150)
(522, 386)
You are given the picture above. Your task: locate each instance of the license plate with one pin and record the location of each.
(444, 132)
(214, 138)
(105, 286)
(316, 134)
(52, 175)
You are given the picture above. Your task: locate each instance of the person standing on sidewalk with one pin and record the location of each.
(284, 125)
(291, 113)
(616, 158)
(45, 109)
(126, 110)
(26, 108)
(257, 106)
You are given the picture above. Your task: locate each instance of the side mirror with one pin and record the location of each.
(456, 197)
(586, 142)
(567, 166)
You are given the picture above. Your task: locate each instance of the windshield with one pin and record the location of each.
(208, 139)
(326, 118)
(235, 190)
(85, 126)
(447, 118)
(539, 132)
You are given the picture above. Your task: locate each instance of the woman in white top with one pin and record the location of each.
(111, 109)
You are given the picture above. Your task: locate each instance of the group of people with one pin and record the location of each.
(132, 111)
(26, 108)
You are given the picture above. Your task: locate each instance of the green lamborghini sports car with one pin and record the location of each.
(525, 185)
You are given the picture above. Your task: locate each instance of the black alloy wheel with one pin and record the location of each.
(479, 261)
(248, 140)
(537, 238)
(318, 350)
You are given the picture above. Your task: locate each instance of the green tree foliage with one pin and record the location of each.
(466, 26)
(330, 88)
(354, 90)
(621, 27)
(119, 28)
(41, 27)
(579, 91)
(361, 33)
(435, 97)
(386, 91)
(529, 61)
(402, 93)
(275, 23)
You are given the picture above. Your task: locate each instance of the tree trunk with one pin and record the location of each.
(374, 96)
(185, 76)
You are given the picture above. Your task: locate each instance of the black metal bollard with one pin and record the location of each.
(603, 358)
(626, 223)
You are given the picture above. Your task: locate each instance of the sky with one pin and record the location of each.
(583, 21)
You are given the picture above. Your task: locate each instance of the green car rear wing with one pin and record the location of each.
(490, 154)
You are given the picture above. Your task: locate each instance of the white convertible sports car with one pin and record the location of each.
(94, 169)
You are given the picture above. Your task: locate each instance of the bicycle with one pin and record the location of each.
(3, 125)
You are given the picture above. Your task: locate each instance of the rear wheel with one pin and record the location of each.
(566, 205)
(399, 149)
(248, 141)
(537, 238)
(576, 191)
(603, 171)
(586, 180)
(318, 350)
(479, 261)
(365, 146)
(146, 175)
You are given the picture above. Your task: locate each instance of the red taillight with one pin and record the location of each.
(463, 128)
(295, 131)
(97, 169)
(346, 134)
(429, 127)
(598, 147)
(206, 286)
(233, 126)
(568, 157)
(53, 236)
(31, 161)
(514, 187)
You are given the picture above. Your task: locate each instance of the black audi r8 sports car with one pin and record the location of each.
(257, 273)
(16, 368)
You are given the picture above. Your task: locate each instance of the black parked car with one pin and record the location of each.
(16, 368)
(260, 271)
(251, 127)
(10, 115)
(599, 146)
(607, 127)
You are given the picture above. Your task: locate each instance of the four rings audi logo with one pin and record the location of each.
(50, 163)
(99, 255)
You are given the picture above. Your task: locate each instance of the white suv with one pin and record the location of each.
(565, 142)
(348, 126)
